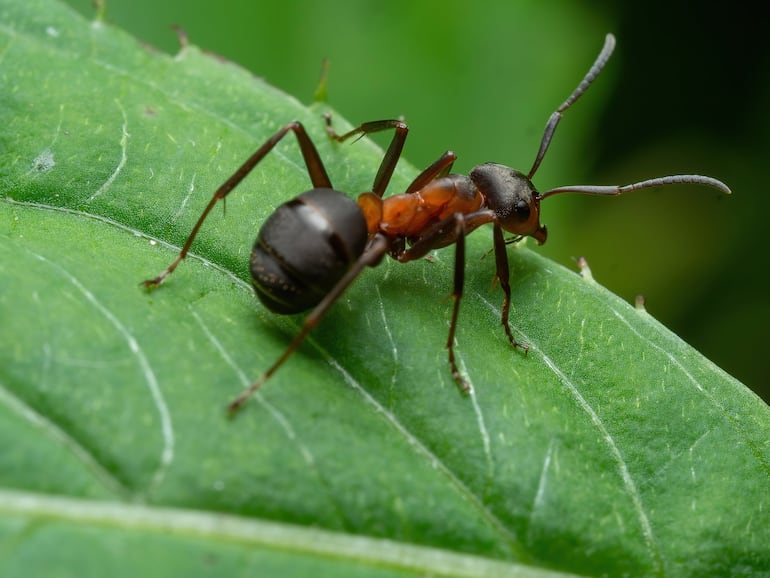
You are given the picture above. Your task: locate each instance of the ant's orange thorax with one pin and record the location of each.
(408, 215)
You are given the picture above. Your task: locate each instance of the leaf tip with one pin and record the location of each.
(100, 7)
(181, 35)
(320, 94)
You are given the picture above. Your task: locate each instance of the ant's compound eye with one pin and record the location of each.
(521, 207)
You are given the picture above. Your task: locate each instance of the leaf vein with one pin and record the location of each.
(246, 382)
(40, 421)
(703, 391)
(275, 413)
(167, 431)
(136, 232)
(480, 421)
(123, 155)
(543, 481)
(617, 456)
(435, 461)
(373, 552)
(389, 334)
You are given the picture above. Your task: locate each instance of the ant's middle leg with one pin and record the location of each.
(315, 169)
(390, 160)
(452, 229)
(439, 168)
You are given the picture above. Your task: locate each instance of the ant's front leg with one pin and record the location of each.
(503, 276)
(390, 160)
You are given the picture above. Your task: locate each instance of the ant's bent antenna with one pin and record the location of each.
(610, 190)
(553, 121)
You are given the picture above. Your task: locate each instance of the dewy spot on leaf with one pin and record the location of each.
(43, 162)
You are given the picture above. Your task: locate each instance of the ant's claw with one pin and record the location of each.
(151, 284)
(462, 384)
(233, 407)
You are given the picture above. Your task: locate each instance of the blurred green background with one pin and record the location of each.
(685, 92)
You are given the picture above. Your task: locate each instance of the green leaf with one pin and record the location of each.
(611, 448)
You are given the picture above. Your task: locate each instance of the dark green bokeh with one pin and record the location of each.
(685, 92)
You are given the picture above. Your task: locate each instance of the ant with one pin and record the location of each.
(313, 247)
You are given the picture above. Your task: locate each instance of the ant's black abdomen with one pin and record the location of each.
(304, 248)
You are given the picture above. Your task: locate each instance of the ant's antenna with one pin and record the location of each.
(553, 122)
(612, 190)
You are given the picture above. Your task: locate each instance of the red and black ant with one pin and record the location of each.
(314, 246)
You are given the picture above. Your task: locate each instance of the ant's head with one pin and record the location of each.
(516, 202)
(509, 193)
(513, 198)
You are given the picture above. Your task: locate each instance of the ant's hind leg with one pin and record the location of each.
(315, 169)
(377, 249)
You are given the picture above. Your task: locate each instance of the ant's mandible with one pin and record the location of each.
(314, 246)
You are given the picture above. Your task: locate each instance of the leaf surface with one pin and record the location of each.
(612, 447)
